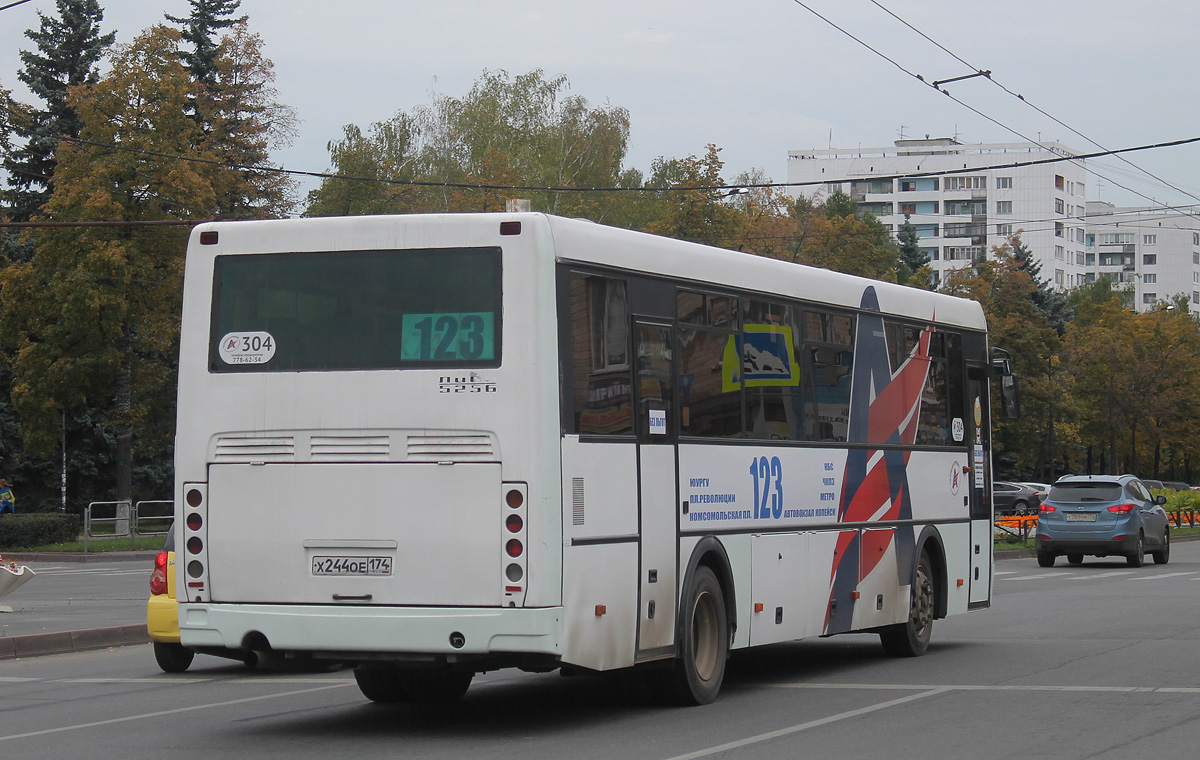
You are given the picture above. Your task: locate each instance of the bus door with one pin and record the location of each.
(654, 383)
(979, 480)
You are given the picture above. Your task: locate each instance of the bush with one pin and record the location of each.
(22, 531)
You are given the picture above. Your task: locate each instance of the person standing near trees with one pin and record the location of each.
(7, 500)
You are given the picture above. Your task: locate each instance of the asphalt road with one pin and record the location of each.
(1095, 661)
(69, 596)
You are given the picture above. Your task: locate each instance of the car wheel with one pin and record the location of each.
(1045, 559)
(911, 639)
(1138, 555)
(699, 667)
(1021, 507)
(1075, 559)
(172, 658)
(1163, 555)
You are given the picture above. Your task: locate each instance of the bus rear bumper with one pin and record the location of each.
(316, 629)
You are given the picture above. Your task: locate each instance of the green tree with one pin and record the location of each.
(93, 319)
(523, 130)
(242, 121)
(830, 235)
(68, 48)
(1033, 443)
(200, 29)
(914, 267)
(1053, 303)
(694, 209)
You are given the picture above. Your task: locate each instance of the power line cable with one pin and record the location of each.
(1018, 96)
(946, 92)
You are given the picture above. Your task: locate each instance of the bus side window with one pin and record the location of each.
(602, 389)
(827, 374)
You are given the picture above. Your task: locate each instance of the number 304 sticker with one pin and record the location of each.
(247, 348)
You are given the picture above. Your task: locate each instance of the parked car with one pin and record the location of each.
(1043, 489)
(162, 612)
(1153, 483)
(1176, 485)
(1102, 515)
(1014, 498)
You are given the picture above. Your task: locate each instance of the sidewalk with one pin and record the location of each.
(76, 603)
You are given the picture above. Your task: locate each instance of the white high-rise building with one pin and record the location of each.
(1155, 252)
(964, 199)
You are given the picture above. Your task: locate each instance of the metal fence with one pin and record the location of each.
(110, 520)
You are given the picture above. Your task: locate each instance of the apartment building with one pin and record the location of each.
(1154, 252)
(965, 199)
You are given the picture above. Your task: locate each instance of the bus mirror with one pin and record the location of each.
(1009, 394)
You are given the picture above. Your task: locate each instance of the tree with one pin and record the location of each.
(200, 28)
(67, 50)
(93, 319)
(694, 209)
(914, 267)
(1004, 290)
(523, 130)
(1051, 302)
(832, 236)
(241, 122)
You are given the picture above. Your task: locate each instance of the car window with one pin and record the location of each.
(1086, 491)
(1139, 491)
(169, 544)
(1003, 487)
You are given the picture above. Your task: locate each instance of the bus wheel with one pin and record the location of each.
(911, 638)
(700, 664)
(389, 684)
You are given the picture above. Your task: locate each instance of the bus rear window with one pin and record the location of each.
(356, 310)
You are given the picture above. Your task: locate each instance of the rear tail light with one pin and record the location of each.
(1121, 509)
(1047, 508)
(158, 578)
(514, 568)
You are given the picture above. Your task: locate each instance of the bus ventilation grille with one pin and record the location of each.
(577, 501)
(248, 449)
(450, 448)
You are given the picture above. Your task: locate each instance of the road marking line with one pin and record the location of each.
(161, 713)
(14, 679)
(1156, 577)
(158, 680)
(811, 724)
(986, 687)
(1037, 577)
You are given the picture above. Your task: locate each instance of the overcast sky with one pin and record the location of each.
(755, 77)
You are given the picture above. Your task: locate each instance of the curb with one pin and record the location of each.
(36, 644)
(125, 556)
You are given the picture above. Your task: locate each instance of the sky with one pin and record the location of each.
(757, 78)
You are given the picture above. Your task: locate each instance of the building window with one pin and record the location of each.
(1079, 258)
(1004, 183)
(1059, 229)
(1195, 276)
(1059, 277)
(1195, 258)
(966, 183)
(1003, 207)
(1059, 252)
(1149, 259)
(966, 253)
(1149, 297)
(1059, 182)
(1196, 296)
(1116, 238)
(1150, 279)
(1059, 207)
(1004, 230)
(1196, 238)
(1089, 260)
(1149, 239)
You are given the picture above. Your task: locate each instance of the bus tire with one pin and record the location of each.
(388, 684)
(172, 658)
(699, 666)
(911, 638)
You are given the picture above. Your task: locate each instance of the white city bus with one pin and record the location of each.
(435, 445)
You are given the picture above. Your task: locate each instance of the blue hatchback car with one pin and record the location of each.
(1102, 515)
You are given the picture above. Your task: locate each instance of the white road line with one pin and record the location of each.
(811, 724)
(1037, 577)
(161, 713)
(14, 679)
(987, 687)
(1114, 574)
(1156, 577)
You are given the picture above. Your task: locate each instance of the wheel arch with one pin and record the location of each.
(930, 543)
(710, 553)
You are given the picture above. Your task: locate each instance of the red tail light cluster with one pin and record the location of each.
(195, 540)
(513, 535)
(1047, 508)
(1121, 509)
(158, 578)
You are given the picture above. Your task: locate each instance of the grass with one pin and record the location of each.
(96, 545)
